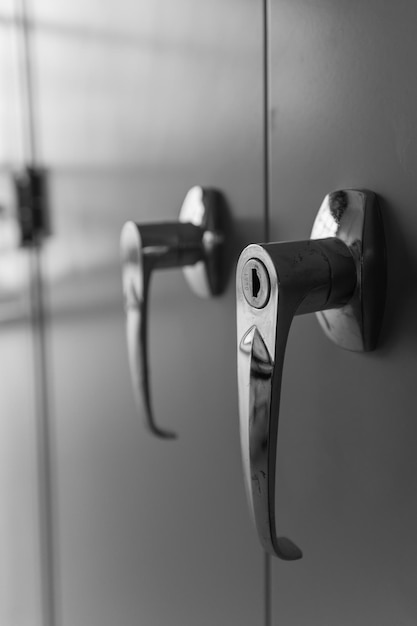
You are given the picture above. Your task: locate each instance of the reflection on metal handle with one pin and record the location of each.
(274, 283)
(146, 247)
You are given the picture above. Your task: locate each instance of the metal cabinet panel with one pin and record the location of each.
(343, 115)
(133, 111)
(20, 590)
(21, 504)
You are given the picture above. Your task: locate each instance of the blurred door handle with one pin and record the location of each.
(339, 273)
(195, 243)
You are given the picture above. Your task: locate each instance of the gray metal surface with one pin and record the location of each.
(344, 115)
(137, 103)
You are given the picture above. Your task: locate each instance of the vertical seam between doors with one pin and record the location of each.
(266, 117)
(266, 10)
(45, 441)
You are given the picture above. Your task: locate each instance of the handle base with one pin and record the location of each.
(353, 216)
(203, 207)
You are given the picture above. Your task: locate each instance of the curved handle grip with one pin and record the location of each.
(145, 248)
(259, 442)
(275, 282)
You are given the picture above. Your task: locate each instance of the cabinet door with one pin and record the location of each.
(343, 97)
(137, 102)
(20, 469)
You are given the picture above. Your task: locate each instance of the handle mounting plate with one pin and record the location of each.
(353, 216)
(202, 207)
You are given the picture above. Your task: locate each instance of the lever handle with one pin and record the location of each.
(194, 243)
(144, 248)
(274, 283)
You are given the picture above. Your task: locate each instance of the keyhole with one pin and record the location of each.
(256, 283)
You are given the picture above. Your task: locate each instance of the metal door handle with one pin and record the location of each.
(339, 273)
(194, 243)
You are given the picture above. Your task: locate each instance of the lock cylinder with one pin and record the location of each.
(255, 283)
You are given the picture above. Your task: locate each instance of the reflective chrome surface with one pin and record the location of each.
(304, 277)
(205, 208)
(193, 243)
(353, 217)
